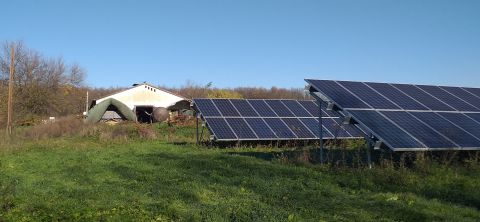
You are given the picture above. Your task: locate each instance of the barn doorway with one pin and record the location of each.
(144, 114)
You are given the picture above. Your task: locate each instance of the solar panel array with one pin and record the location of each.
(258, 119)
(409, 117)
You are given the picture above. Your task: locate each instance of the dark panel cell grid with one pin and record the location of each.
(463, 94)
(313, 125)
(338, 94)
(262, 108)
(260, 128)
(448, 129)
(419, 130)
(351, 129)
(464, 122)
(422, 97)
(368, 95)
(474, 91)
(206, 107)
(395, 95)
(335, 128)
(280, 109)
(244, 108)
(448, 98)
(225, 107)
(296, 108)
(298, 128)
(383, 128)
(220, 128)
(241, 128)
(281, 130)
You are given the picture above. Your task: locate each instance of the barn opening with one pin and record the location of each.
(144, 114)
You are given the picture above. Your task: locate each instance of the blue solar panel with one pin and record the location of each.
(261, 128)
(463, 122)
(314, 126)
(368, 95)
(244, 108)
(296, 108)
(206, 107)
(450, 117)
(419, 130)
(338, 94)
(395, 95)
(474, 91)
(312, 108)
(422, 97)
(220, 128)
(446, 128)
(463, 95)
(236, 119)
(386, 130)
(448, 98)
(280, 109)
(280, 129)
(351, 129)
(225, 107)
(241, 128)
(298, 128)
(474, 116)
(262, 108)
(336, 129)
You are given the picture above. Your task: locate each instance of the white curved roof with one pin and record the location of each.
(145, 95)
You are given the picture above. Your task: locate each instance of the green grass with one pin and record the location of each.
(147, 180)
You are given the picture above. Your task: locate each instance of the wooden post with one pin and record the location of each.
(86, 104)
(10, 92)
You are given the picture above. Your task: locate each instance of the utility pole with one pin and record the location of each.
(10, 92)
(86, 105)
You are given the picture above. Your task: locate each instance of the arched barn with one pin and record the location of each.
(149, 103)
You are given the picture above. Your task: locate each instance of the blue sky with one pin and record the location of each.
(254, 43)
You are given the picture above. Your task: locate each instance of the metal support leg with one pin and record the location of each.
(320, 130)
(196, 123)
(369, 148)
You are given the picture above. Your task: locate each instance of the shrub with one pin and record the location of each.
(68, 126)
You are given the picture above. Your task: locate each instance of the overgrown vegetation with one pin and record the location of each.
(142, 172)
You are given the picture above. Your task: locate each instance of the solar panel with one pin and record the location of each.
(454, 133)
(298, 128)
(297, 109)
(226, 108)
(280, 109)
(464, 95)
(375, 99)
(426, 135)
(421, 96)
(261, 128)
(244, 107)
(280, 128)
(399, 98)
(262, 108)
(241, 128)
(408, 117)
(448, 98)
(312, 123)
(220, 128)
(257, 119)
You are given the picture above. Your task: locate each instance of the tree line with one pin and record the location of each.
(47, 86)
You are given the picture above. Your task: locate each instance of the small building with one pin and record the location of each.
(143, 99)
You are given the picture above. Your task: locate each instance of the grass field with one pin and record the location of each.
(98, 178)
